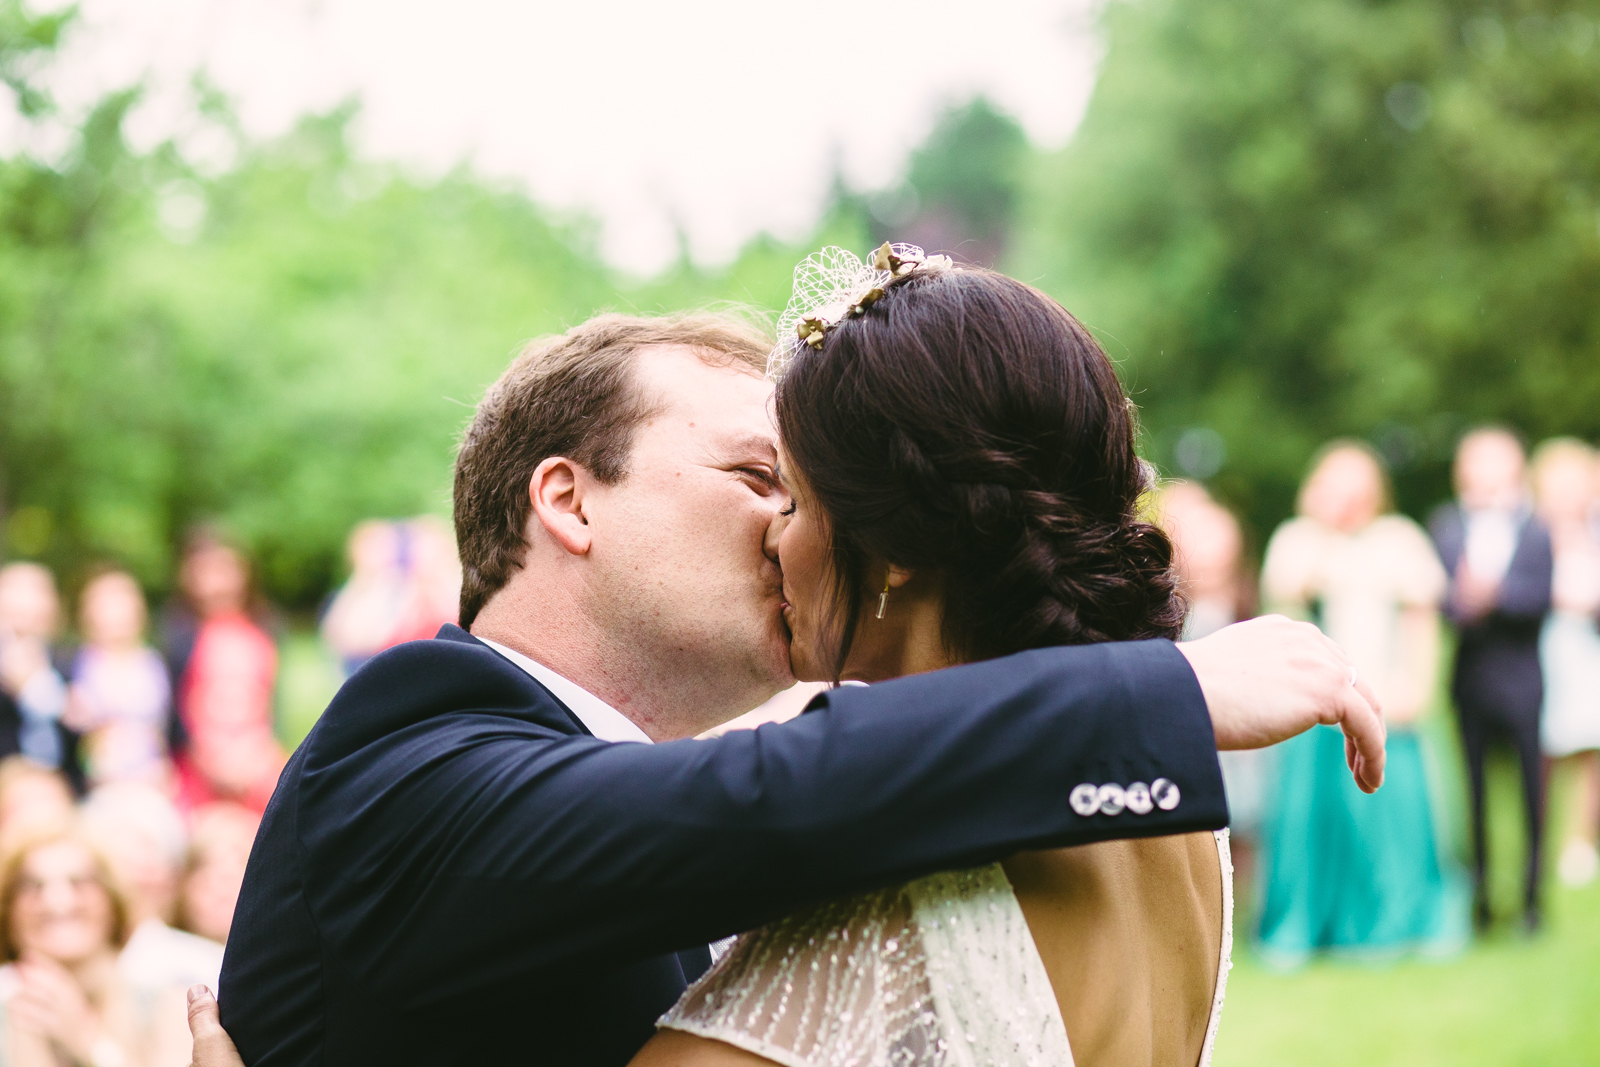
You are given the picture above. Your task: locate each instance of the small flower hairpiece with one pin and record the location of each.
(833, 285)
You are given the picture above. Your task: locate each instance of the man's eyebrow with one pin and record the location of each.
(749, 446)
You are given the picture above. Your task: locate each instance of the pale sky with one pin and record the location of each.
(723, 116)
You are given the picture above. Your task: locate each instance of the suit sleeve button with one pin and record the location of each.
(1085, 799)
(1165, 793)
(1112, 799)
(1138, 799)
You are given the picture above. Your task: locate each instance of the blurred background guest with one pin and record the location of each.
(31, 796)
(120, 696)
(433, 572)
(1209, 554)
(1498, 555)
(33, 691)
(226, 668)
(405, 583)
(1216, 581)
(223, 834)
(1566, 485)
(63, 999)
(362, 615)
(1345, 871)
(144, 839)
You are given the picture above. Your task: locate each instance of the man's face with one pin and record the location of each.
(28, 603)
(1489, 471)
(684, 560)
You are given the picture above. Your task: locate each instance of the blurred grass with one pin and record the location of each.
(1508, 1001)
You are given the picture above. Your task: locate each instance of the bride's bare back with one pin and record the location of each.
(1130, 934)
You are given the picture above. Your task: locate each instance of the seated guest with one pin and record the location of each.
(32, 691)
(223, 834)
(120, 696)
(63, 999)
(143, 837)
(31, 796)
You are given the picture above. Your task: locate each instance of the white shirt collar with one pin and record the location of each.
(601, 719)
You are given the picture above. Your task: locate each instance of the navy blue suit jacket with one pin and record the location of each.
(451, 870)
(1497, 662)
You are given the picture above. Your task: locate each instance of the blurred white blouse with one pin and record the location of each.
(1357, 585)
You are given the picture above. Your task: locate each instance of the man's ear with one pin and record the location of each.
(556, 492)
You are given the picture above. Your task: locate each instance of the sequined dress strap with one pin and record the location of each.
(941, 972)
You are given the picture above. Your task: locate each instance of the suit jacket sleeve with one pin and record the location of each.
(438, 856)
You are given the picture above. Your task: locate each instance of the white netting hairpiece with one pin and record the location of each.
(833, 285)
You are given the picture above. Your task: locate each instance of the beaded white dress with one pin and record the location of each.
(940, 972)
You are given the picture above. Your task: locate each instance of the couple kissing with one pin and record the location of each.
(509, 844)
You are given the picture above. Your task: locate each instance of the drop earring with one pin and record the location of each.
(883, 598)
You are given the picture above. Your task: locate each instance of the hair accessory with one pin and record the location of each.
(833, 285)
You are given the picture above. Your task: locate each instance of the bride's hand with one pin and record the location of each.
(1269, 679)
(212, 1046)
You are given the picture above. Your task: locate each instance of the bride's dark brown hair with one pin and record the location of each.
(966, 425)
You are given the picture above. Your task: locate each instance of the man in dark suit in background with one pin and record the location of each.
(33, 673)
(467, 862)
(1499, 559)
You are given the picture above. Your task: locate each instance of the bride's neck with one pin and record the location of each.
(909, 639)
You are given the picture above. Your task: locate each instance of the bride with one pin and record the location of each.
(961, 461)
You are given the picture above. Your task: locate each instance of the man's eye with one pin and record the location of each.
(765, 477)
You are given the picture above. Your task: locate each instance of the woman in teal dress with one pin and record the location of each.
(1346, 872)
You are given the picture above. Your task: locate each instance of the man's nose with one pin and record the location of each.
(769, 544)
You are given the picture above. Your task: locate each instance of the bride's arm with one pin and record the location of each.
(674, 1048)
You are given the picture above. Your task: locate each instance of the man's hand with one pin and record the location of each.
(212, 1045)
(1475, 597)
(1269, 679)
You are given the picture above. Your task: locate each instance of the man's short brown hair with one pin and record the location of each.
(575, 395)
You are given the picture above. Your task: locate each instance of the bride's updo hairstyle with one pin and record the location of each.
(966, 425)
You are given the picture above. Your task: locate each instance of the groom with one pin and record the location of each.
(461, 865)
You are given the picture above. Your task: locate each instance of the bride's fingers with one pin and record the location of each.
(212, 1046)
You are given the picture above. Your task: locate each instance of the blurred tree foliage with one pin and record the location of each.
(962, 187)
(286, 347)
(1292, 221)
(970, 168)
(1287, 221)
